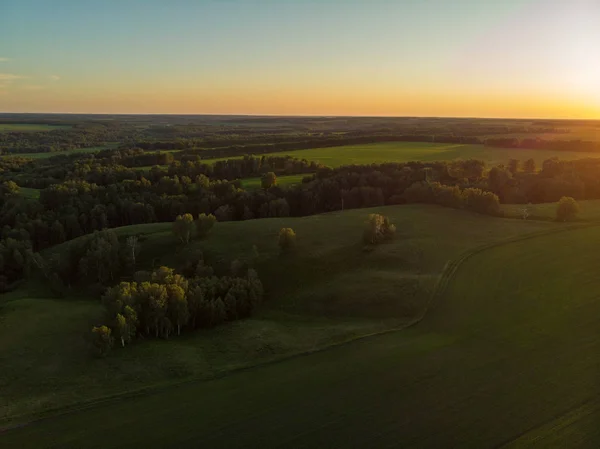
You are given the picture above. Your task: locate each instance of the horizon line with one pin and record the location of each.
(302, 115)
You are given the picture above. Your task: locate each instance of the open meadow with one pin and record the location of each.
(507, 335)
(329, 291)
(378, 153)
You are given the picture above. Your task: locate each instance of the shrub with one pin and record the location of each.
(102, 339)
(378, 229)
(287, 239)
(268, 180)
(204, 224)
(567, 209)
(183, 227)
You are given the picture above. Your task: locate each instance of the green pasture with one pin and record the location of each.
(589, 210)
(33, 194)
(329, 291)
(508, 355)
(410, 151)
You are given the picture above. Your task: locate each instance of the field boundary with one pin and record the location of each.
(439, 289)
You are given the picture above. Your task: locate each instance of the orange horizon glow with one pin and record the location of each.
(469, 58)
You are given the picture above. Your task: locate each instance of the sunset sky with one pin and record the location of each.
(487, 58)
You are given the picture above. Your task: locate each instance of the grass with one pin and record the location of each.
(283, 181)
(411, 151)
(32, 194)
(29, 127)
(507, 357)
(589, 210)
(331, 290)
(60, 153)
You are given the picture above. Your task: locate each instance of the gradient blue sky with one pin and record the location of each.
(518, 58)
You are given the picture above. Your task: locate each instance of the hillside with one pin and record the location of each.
(330, 290)
(508, 355)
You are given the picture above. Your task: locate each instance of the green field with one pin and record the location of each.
(409, 151)
(508, 356)
(33, 194)
(589, 210)
(28, 127)
(330, 291)
(283, 181)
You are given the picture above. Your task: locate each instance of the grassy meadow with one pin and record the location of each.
(330, 291)
(32, 194)
(283, 181)
(589, 210)
(377, 153)
(507, 356)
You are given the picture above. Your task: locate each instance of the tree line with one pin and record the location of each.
(543, 144)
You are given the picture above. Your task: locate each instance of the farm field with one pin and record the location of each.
(284, 181)
(329, 291)
(508, 356)
(29, 127)
(408, 151)
(589, 210)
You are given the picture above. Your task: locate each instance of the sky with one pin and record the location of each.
(462, 58)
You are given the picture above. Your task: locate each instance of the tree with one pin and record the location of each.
(9, 188)
(102, 339)
(268, 180)
(567, 209)
(57, 233)
(122, 329)
(204, 224)
(378, 229)
(183, 227)
(513, 165)
(529, 166)
(133, 247)
(287, 239)
(178, 306)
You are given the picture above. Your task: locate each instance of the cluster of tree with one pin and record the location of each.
(67, 138)
(106, 168)
(162, 303)
(184, 226)
(474, 199)
(579, 179)
(16, 257)
(287, 240)
(98, 259)
(378, 229)
(542, 144)
(567, 209)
